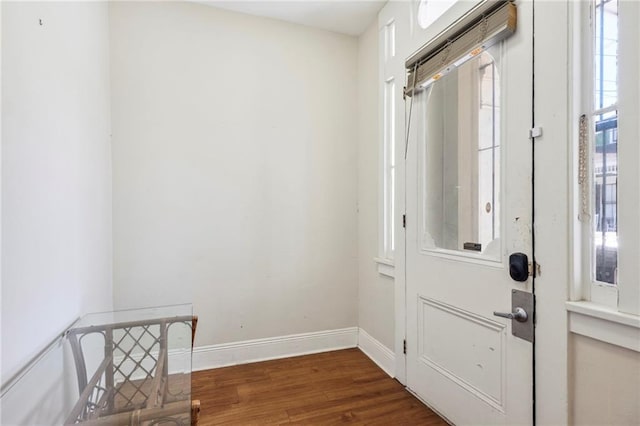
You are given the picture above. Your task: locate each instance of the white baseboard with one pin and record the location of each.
(379, 353)
(214, 356)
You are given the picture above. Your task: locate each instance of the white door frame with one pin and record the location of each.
(552, 207)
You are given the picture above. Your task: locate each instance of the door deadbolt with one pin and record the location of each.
(519, 267)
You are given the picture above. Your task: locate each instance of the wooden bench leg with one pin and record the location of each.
(195, 412)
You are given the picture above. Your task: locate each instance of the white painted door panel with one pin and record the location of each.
(461, 359)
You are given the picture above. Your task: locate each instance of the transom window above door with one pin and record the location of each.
(430, 10)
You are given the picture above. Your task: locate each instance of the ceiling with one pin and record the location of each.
(351, 17)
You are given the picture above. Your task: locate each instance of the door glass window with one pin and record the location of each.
(462, 159)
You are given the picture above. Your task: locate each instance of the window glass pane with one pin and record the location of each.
(430, 10)
(606, 53)
(389, 168)
(605, 167)
(605, 143)
(462, 158)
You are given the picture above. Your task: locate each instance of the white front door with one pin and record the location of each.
(468, 209)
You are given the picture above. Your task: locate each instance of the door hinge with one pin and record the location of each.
(404, 346)
(535, 132)
(404, 220)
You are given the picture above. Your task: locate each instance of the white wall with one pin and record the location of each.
(604, 383)
(1, 351)
(234, 169)
(56, 181)
(375, 291)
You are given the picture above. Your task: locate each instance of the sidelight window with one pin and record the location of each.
(605, 142)
(608, 173)
(391, 91)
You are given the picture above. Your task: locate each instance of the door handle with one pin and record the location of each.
(522, 314)
(518, 314)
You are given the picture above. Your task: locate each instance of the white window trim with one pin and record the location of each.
(606, 313)
(629, 158)
(605, 324)
(385, 267)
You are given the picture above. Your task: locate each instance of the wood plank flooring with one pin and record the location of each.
(323, 389)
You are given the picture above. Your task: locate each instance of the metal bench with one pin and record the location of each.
(132, 384)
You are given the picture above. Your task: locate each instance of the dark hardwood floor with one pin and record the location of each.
(328, 388)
